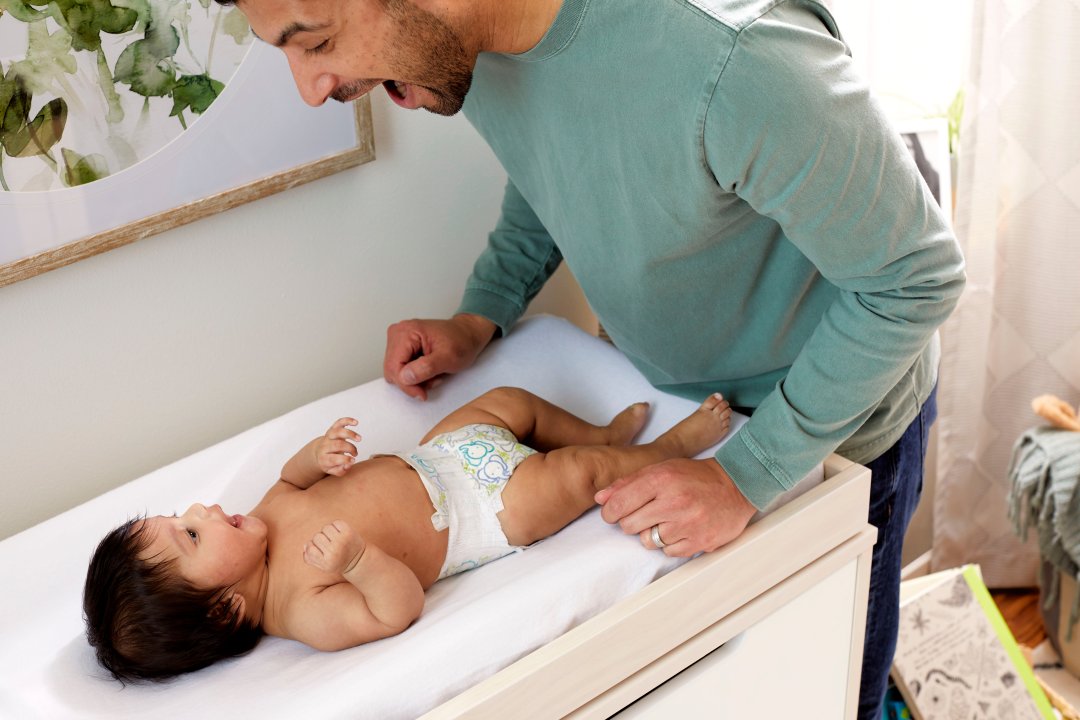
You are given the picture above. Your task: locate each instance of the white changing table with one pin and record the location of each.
(582, 625)
(770, 626)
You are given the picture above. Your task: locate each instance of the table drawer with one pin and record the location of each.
(794, 663)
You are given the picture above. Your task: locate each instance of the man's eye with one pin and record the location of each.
(320, 48)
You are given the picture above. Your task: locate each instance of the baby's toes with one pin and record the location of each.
(714, 403)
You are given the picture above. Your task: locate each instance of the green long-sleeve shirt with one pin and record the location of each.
(738, 211)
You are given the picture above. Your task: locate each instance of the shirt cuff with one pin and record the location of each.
(493, 306)
(749, 472)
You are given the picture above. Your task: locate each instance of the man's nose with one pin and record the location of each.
(314, 86)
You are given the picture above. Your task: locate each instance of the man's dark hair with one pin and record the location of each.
(145, 622)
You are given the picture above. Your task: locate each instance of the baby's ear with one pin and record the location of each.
(237, 605)
(233, 604)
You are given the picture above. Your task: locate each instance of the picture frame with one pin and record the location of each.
(928, 142)
(256, 139)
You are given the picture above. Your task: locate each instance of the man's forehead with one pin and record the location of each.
(279, 20)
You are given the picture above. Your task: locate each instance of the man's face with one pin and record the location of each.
(342, 49)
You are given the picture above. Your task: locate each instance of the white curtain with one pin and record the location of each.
(1016, 331)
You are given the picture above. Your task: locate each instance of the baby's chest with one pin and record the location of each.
(293, 582)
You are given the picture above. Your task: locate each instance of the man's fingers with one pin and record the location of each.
(682, 548)
(649, 541)
(402, 345)
(416, 377)
(628, 495)
(408, 356)
(416, 392)
(674, 544)
(642, 519)
(601, 496)
(695, 504)
(420, 353)
(419, 370)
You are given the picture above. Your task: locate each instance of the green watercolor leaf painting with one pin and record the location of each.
(95, 86)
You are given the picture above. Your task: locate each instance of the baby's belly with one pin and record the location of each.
(384, 501)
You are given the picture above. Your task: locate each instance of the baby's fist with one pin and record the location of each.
(334, 549)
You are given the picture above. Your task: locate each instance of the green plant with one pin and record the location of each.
(21, 136)
(58, 31)
(953, 114)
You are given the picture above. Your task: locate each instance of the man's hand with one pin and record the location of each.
(334, 451)
(420, 352)
(335, 549)
(694, 502)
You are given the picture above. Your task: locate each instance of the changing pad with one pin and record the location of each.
(472, 625)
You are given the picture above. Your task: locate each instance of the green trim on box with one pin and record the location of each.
(990, 608)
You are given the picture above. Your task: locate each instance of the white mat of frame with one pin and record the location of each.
(472, 625)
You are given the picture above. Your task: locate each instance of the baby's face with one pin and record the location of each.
(211, 549)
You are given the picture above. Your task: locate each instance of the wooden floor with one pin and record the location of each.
(1020, 608)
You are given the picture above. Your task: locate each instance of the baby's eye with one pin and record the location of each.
(193, 535)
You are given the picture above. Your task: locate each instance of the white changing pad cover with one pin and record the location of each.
(472, 625)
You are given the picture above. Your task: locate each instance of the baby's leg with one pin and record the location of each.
(539, 424)
(549, 490)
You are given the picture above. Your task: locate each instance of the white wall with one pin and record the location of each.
(121, 363)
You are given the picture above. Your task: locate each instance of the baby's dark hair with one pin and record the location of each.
(145, 622)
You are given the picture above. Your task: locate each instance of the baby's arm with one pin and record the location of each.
(381, 597)
(329, 454)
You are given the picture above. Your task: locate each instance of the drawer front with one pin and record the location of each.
(792, 664)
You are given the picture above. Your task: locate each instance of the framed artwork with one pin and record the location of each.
(123, 118)
(928, 142)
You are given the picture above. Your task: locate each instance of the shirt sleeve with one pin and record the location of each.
(795, 134)
(519, 258)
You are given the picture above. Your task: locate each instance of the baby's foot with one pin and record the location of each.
(700, 430)
(627, 424)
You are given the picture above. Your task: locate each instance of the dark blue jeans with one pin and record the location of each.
(895, 485)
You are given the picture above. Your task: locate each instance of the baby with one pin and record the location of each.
(339, 552)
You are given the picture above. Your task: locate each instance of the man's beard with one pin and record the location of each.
(451, 96)
(434, 58)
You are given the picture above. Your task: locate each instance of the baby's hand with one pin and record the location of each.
(335, 549)
(335, 452)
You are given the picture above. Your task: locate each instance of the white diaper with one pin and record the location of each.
(464, 472)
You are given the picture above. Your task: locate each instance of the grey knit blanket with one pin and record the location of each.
(1045, 477)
